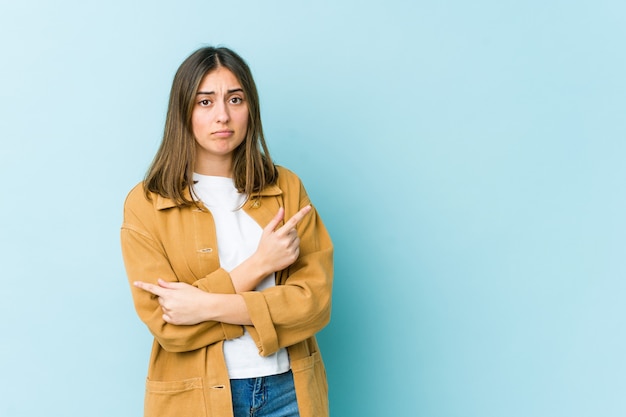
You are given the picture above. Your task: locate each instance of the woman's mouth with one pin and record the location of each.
(223, 133)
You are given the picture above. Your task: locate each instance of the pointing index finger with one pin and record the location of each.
(296, 218)
(151, 288)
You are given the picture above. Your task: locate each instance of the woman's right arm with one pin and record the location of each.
(217, 298)
(278, 248)
(146, 262)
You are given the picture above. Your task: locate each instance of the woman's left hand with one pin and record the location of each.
(182, 304)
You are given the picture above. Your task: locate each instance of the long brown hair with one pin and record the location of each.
(171, 172)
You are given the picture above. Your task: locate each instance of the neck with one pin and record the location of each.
(216, 167)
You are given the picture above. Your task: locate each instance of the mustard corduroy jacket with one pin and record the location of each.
(187, 374)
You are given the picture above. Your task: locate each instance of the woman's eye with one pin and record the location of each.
(204, 102)
(236, 100)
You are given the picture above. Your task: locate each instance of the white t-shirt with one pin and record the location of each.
(238, 237)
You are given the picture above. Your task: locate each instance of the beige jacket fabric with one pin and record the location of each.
(187, 374)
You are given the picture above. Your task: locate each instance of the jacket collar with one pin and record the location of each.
(164, 203)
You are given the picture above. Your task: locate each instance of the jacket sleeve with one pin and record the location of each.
(145, 260)
(294, 311)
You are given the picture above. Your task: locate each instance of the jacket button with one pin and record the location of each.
(256, 203)
(205, 250)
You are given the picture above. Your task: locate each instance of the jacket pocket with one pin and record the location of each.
(175, 398)
(309, 377)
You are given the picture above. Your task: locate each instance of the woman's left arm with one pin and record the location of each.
(276, 317)
(300, 307)
(185, 304)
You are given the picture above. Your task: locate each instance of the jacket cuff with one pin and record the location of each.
(219, 282)
(267, 340)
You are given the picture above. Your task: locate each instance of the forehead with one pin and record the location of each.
(219, 79)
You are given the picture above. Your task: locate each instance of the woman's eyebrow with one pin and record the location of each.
(234, 90)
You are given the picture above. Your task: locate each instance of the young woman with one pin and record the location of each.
(231, 268)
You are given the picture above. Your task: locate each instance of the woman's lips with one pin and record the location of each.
(223, 133)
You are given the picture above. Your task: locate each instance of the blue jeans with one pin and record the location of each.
(267, 396)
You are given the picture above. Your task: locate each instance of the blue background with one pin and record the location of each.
(467, 157)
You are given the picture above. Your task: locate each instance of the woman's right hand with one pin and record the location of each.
(280, 247)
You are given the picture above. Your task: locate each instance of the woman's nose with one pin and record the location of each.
(222, 113)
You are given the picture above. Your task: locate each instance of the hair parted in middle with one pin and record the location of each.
(171, 172)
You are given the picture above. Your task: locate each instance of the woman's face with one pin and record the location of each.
(219, 121)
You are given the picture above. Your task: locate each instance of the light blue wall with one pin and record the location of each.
(467, 157)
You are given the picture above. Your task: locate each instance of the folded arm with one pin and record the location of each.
(298, 308)
(211, 300)
(145, 262)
